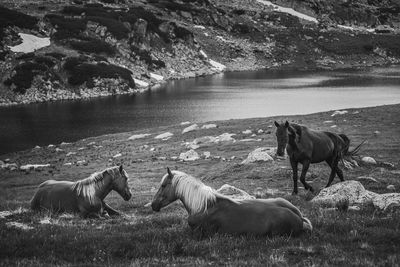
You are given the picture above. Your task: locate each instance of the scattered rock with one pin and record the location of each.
(191, 128)
(367, 179)
(50, 146)
(328, 122)
(339, 112)
(81, 162)
(19, 225)
(190, 155)
(33, 167)
(117, 155)
(156, 77)
(391, 187)
(68, 164)
(192, 146)
(387, 165)
(138, 136)
(59, 150)
(260, 131)
(36, 147)
(233, 192)
(70, 154)
(387, 201)
(206, 154)
(377, 133)
(368, 160)
(163, 136)
(247, 131)
(209, 126)
(259, 154)
(81, 148)
(64, 144)
(9, 166)
(185, 122)
(225, 137)
(91, 144)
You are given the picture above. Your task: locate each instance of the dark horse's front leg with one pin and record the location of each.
(294, 164)
(306, 165)
(334, 169)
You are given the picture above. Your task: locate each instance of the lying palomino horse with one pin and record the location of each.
(308, 146)
(84, 196)
(212, 212)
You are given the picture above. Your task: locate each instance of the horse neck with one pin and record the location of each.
(95, 187)
(196, 197)
(104, 187)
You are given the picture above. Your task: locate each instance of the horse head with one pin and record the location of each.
(120, 183)
(284, 133)
(165, 194)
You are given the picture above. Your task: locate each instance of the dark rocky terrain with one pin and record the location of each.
(102, 48)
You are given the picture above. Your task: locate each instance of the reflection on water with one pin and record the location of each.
(219, 97)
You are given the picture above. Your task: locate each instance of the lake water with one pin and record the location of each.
(219, 97)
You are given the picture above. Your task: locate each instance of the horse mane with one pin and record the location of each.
(197, 196)
(87, 187)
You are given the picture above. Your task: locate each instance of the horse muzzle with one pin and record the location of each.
(155, 206)
(127, 196)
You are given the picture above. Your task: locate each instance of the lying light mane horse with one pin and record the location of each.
(84, 196)
(210, 211)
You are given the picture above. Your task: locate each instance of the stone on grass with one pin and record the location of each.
(233, 192)
(190, 155)
(209, 126)
(259, 154)
(190, 128)
(33, 167)
(117, 155)
(367, 179)
(368, 160)
(206, 154)
(9, 166)
(391, 187)
(225, 137)
(138, 136)
(354, 193)
(164, 135)
(247, 131)
(185, 123)
(339, 112)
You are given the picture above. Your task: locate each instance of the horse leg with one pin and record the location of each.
(339, 173)
(294, 169)
(334, 167)
(306, 165)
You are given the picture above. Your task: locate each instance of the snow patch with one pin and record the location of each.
(30, 43)
(217, 65)
(141, 83)
(288, 10)
(156, 76)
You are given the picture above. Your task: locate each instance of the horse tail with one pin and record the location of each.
(35, 202)
(356, 149)
(346, 140)
(307, 226)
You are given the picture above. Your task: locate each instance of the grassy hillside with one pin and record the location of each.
(367, 237)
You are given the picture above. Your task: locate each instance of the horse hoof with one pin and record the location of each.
(294, 193)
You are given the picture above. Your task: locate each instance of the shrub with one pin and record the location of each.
(85, 72)
(115, 27)
(93, 46)
(24, 74)
(43, 60)
(66, 27)
(10, 17)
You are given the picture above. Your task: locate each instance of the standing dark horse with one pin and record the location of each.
(212, 212)
(85, 196)
(307, 146)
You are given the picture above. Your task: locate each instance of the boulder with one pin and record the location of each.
(233, 192)
(259, 154)
(355, 193)
(138, 136)
(190, 155)
(368, 160)
(225, 137)
(247, 132)
(190, 128)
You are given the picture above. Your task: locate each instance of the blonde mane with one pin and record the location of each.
(196, 196)
(88, 187)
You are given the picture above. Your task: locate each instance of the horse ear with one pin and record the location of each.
(120, 168)
(170, 173)
(276, 124)
(287, 124)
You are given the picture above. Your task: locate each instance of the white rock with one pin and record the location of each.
(185, 122)
(156, 77)
(259, 154)
(117, 155)
(141, 83)
(138, 136)
(91, 144)
(248, 140)
(30, 43)
(377, 132)
(68, 164)
(339, 112)
(64, 144)
(190, 155)
(391, 187)
(233, 192)
(70, 154)
(191, 128)
(50, 146)
(192, 146)
(9, 166)
(353, 191)
(205, 140)
(204, 55)
(59, 150)
(209, 126)
(164, 135)
(247, 132)
(328, 122)
(217, 65)
(80, 162)
(152, 149)
(368, 160)
(33, 166)
(81, 148)
(199, 27)
(207, 154)
(333, 126)
(387, 201)
(36, 147)
(260, 131)
(225, 137)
